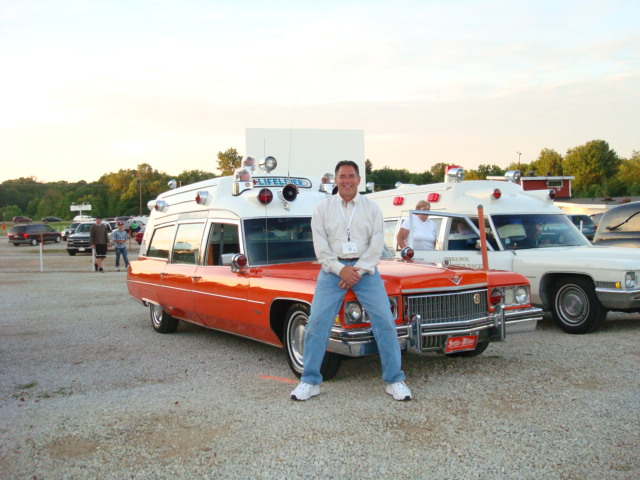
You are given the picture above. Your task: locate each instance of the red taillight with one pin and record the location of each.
(496, 194)
(495, 298)
(265, 196)
(433, 197)
(398, 200)
(24, 235)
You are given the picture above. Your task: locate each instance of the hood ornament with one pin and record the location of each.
(456, 280)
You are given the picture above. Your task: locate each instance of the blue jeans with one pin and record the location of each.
(123, 252)
(326, 304)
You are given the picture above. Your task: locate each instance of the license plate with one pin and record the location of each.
(461, 343)
(81, 249)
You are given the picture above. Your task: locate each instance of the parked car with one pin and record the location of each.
(585, 225)
(21, 219)
(79, 240)
(83, 218)
(139, 235)
(33, 234)
(69, 230)
(51, 219)
(577, 282)
(230, 259)
(620, 226)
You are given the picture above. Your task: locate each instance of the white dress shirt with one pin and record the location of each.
(333, 219)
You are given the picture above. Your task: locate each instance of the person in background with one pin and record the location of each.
(99, 240)
(424, 230)
(120, 237)
(348, 240)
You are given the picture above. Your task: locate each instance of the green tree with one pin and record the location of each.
(548, 161)
(368, 166)
(592, 164)
(187, 177)
(437, 172)
(228, 161)
(629, 174)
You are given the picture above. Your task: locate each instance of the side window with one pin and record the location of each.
(160, 244)
(461, 235)
(186, 249)
(223, 239)
(390, 233)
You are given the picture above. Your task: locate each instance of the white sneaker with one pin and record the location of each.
(399, 391)
(305, 391)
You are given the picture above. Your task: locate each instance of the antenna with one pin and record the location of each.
(293, 115)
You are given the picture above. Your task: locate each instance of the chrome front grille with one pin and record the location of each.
(448, 308)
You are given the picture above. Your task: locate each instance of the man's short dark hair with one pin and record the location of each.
(347, 163)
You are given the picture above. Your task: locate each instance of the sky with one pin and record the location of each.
(90, 87)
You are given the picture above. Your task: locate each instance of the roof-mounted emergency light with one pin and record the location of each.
(265, 196)
(454, 175)
(371, 187)
(201, 197)
(552, 194)
(172, 184)
(151, 204)
(160, 205)
(327, 182)
(249, 163)
(497, 194)
(267, 164)
(398, 200)
(433, 197)
(513, 176)
(242, 180)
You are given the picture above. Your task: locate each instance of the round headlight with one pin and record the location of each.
(353, 312)
(630, 280)
(522, 295)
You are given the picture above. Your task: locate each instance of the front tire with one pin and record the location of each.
(297, 318)
(575, 307)
(72, 252)
(161, 321)
(58, 239)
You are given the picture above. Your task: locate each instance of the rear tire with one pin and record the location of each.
(575, 306)
(72, 252)
(297, 318)
(58, 239)
(33, 242)
(161, 321)
(17, 244)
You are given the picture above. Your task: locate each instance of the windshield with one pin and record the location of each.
(278, 240)
(519, 231)
(84, 228)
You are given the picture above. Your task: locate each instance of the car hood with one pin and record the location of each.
(591, 255)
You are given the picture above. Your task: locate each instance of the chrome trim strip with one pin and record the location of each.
(445, 289)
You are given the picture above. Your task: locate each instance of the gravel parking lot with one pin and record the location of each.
(89, 390)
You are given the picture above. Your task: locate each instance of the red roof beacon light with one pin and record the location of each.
(433, 197)
(552, 194)
(497, 194)
(201, 197)
(398, 200)
(265, 196)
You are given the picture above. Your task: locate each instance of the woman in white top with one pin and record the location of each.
(424, 230)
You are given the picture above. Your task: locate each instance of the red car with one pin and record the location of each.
(139, 236)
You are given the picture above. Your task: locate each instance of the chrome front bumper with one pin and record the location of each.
(619, 300)
(420, 337)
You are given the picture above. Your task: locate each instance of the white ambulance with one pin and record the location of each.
(236, 254)
(578, 282)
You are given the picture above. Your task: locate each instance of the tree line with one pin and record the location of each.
(598, 170)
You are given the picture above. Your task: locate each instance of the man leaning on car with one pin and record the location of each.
(99, 240)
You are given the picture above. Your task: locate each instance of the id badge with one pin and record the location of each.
(349, 247)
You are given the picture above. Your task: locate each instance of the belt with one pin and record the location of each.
(349, 259)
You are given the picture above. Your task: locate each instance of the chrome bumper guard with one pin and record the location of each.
(417, 336)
